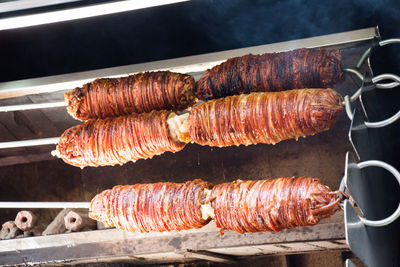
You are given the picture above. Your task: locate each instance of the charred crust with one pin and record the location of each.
(301, 68)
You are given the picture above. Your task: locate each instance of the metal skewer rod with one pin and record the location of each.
(45, 205)
(32, 142)
(33, 106)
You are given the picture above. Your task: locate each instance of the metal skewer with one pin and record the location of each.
(33, 106)
(32, 142)
(45, 205)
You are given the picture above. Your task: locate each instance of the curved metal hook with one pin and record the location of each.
(396, 174)
(375, 163)
(381, 77)
(347, 105)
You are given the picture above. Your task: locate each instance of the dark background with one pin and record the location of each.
(185, 29)
(178, 30)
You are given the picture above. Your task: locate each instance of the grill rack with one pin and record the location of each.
(195, 252)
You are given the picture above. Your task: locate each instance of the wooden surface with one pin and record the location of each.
(208, 243)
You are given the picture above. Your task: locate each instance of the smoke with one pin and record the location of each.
(245, 23)
(189, 28)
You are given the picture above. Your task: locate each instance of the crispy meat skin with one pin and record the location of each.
(272, 205)
(139, 93)
(241, 206)
(264, 117)
(301, 68)
(151, 207)
(118, 140)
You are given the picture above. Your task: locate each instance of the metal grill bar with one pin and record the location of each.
(45, 205)
(33, 142)
(183, 65)
(32, 106)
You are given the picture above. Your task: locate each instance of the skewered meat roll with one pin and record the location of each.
(272, 205)
(118, 140)
(152, 207)
(301, 68)
(139, 93)
(241, 206)
(264, 117)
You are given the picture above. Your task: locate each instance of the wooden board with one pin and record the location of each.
(107, 244)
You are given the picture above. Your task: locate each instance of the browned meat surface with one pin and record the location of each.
(264, 117)
(241, 206)
(151, 207)
(272, 205)
(301, 68)
(139, 93)
(118, 140)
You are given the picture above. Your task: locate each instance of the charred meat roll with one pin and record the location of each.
(301, 68)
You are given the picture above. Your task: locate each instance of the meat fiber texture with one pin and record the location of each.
(111, 141)
(152, 207)
(264, 117)
(272, 205)
(301, 68)
(241, 206)
(139, 93)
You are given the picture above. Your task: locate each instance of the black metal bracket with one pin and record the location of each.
(375, 193)
(374, 246)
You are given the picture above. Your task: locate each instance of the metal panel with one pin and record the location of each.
(375, 246)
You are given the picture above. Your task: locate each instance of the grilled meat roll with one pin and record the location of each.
(139, 93)
(152, 207)
(118, 140)
(272, 205)
(264, 117)
(241, 206)
(301, 68)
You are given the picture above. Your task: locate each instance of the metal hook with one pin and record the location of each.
(396, 174)
(375, 80)
(347, 104)
(376, 163)
(395, 78)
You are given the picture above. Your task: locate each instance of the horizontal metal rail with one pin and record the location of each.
(21, 5)
(190, 64)
(32, 106)
(44, 205)
(79, 13)
(32, 142)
